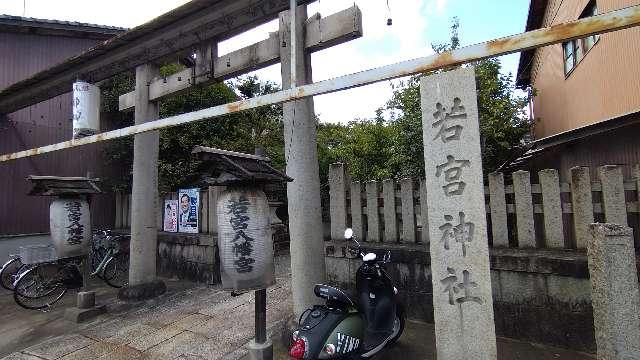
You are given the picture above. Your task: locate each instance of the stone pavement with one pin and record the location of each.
(200, 322)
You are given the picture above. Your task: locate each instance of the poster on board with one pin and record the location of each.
(170, 216)
(189, 202)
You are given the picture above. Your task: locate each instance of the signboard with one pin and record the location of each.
(170, 216)
(188, 202)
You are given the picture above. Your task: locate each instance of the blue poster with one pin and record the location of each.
(189, 202)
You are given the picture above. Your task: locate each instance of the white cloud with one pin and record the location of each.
(437, 6)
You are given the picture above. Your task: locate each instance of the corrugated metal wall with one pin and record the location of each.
(45, 123)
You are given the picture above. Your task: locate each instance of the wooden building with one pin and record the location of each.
(586, 108)
(28, 46)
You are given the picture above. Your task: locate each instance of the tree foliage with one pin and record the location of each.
(503, 122)
(237, 132)
(376, 149)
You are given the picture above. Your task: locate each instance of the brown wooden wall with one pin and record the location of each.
(45, 123)
(603, 85)
(615, 147)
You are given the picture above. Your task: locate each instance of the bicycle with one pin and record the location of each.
(10, 272)
(42, 285)
(110, 258)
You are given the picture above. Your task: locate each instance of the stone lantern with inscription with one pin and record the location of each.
(69, 213)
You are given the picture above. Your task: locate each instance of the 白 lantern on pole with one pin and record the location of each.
(245, 243)
(86, 109)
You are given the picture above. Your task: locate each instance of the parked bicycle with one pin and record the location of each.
(10, 271)
(40, 285)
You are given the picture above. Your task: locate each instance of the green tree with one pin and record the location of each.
(237, 132)
(503, 124)
(366, 145)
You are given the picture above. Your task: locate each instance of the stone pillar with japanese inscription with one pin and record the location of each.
(463, 306)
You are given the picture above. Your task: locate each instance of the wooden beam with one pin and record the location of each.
(321, 33)
(207, 19)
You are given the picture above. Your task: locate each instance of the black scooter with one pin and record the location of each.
(350, 327)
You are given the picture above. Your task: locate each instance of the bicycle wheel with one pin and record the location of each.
(116, 271)
(9, 272)
(39, 287)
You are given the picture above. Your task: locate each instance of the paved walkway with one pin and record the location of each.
(200, 322)
(195, 322)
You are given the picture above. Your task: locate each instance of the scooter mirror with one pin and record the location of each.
(348, 233)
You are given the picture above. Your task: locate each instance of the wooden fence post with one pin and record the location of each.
(613, 200)
(424, 211)
(408, 211)
(524, 209)
(356, 210)
(119, 205)
(373, 216)
(337, 200)
(582, 204)
(552, 208)
(159, 212)
(204, 217)
(390, 216)
(212, 195)
(498, 206)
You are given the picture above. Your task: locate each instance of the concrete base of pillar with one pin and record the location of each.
(261, 351)
(79, 315)
(86, 299)
(142, 291)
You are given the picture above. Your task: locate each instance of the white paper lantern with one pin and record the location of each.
(244, 239)
(86, 109)
(70, 226)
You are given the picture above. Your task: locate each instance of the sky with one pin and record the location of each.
(416, 25)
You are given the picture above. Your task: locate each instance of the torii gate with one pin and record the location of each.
(612, 21)
(305, 218)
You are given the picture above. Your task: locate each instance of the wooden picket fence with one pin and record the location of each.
(547, 214)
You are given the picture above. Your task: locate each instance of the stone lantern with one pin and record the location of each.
(69, 213)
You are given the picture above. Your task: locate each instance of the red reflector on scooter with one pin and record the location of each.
(297, 350)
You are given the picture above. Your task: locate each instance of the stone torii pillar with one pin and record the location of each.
(301, 155)
(144, 236)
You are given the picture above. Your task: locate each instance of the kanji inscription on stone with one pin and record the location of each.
(448, 123)
(451, 287)
(461, 233)
(452, 170)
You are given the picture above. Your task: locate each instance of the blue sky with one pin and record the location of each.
(416, 24)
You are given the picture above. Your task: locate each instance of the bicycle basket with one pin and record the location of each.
(34, 254)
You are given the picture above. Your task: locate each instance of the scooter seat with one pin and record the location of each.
(331, 293)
